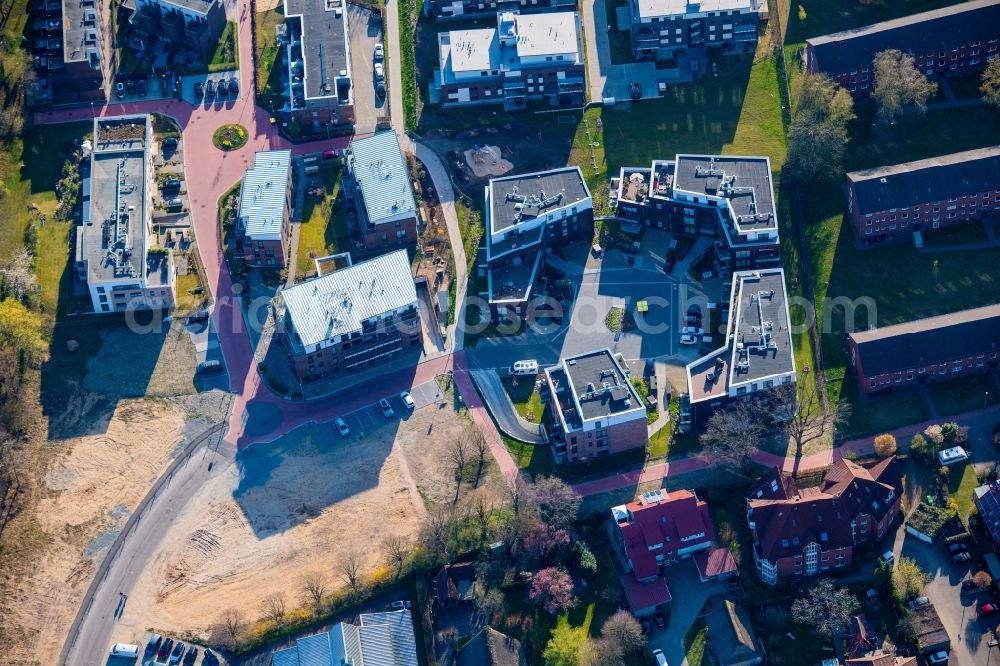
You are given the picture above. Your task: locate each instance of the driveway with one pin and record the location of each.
(969, 635)
(689, 595)
(365, 30)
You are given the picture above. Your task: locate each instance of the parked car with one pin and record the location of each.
(379, 72)
(206, 367)
(199, 90)
(209, 659)
(177, 653)
(401, 604)
(694, 311)
(174, 203)
(209, 89)
(142, 87)
(888, 557)
(120, 90)
(407, 400)
(234, 87)
(170, 184)
(170, 142)
(646, 626)
(660, 659)
(190, 655)
(660, 622)
(386, 408)
(130, 85)
(953, 455)
(693, 330)
(379, 53)
(125, 650)
(668, 264)
(153, 643)
(969, 585)
(342, 427)
(687, 339)
(164, 650)
(223, 88)
(379, 90)
(918, 602)
(940, 657)
(525, 367)
(961, 557)
(635, 90)
(988, 609)
(957, 547)
(331, 154)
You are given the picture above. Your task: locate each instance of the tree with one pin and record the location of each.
(731, 434)
(18, 276)
(825, 608)
(436, 532)
(566, 646)
(553, 589)
(480, 447)
(885, 445)
(954, 434)
(350, 570)
(542, 539)
(585, 558)
(458, 455)
(908, 579)
(233, 621)
(990, 87)
(898, 84)
(798, 411)
(395, 551)
(558, 503)
(603, 652)
(982, 580)
(624, 631)
(921, 448)
(21, 329)
(314, 587)
(490, 603)
(818, 136)
(273, 606)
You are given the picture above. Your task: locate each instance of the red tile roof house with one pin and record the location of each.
(951, 345)
(660, 529)
(801, 532)
(894, 202)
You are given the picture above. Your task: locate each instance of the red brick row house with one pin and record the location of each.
(660, 529)
(928, 349)
(801, 532)
(892, 201)
(950, 40)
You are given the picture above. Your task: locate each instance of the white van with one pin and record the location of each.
(953, 455)
(526, 367)
(126, 650)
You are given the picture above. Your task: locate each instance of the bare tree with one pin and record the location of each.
(480, 448)
(731, 434)
(798, 411)
(350, 570)
(898, 84)
(483, 519)
(825, 608)
(436, 532)
(558, 503)
(233, 620)
(395, 551)
(458, 455)
(274, 606)
(314, 586)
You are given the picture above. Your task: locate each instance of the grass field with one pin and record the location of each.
(962, 482)
(696, 642)
(324, 225)
(524, 396)
(269, 86)
(964, 394)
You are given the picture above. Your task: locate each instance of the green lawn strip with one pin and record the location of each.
(964, 394)
(640, 386)
(963, 232)
(534, 459)
(961, 483)
(323, 229)
(407, 64)
(226, 55)
(268, 54)
(524, 396)
(696, 641)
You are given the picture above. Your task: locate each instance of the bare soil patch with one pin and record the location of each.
(146, 364)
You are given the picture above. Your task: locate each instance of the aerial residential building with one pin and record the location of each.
(597, 410)
(380, 639)
(730, 198)
(352, 318)
(897, 200)
(658, 530)
(453, 9)
(380, 186)
(527, 57)
(71, 51)
(262, 222)
(950, 40)
(191, 24)
(660, 29)
(113, 256)
(758, 354)
(319, 67)
(987, 500)
(526, 214)
(951, 345)
(800, 532)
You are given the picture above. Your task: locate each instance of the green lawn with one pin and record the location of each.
(225, 55)
(268, 55)
(963, 232)
(964, 394)
(961, 483)
(696, 643)
(524, 396)
(811, 18)
(875, 415)
(323, 229)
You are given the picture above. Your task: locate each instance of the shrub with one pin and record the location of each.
(885, 445)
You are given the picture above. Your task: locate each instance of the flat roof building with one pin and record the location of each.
(758, 354)
(380, 639)
(382, 191)
(113, 257)
(351, 318)
(660, 29)
(597, 411)
(262, 220)
(319, 66)
(69, 44)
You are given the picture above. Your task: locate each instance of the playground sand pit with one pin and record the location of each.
(487, 161)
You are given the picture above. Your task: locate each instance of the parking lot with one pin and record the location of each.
(370, 417)
(191, 84)
(365, 29)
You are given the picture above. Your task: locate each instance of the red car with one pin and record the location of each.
(988, 609)
(165, 648)
(331, 154)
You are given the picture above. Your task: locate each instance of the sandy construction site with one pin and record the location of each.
(290, 508)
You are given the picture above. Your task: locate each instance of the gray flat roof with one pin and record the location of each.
(197, 6)
(324, 44)
(763, 342)
(744, 181)
(599, 385)
(649, 8)
(81, 30)
(513, 280)
(112, 235)
(515, 199)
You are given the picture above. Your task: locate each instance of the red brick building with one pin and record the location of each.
(263, 226)
(800, 532)
(381, 192)
(934, 348)
(950, 40)
(929, 194)
(657, 530)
